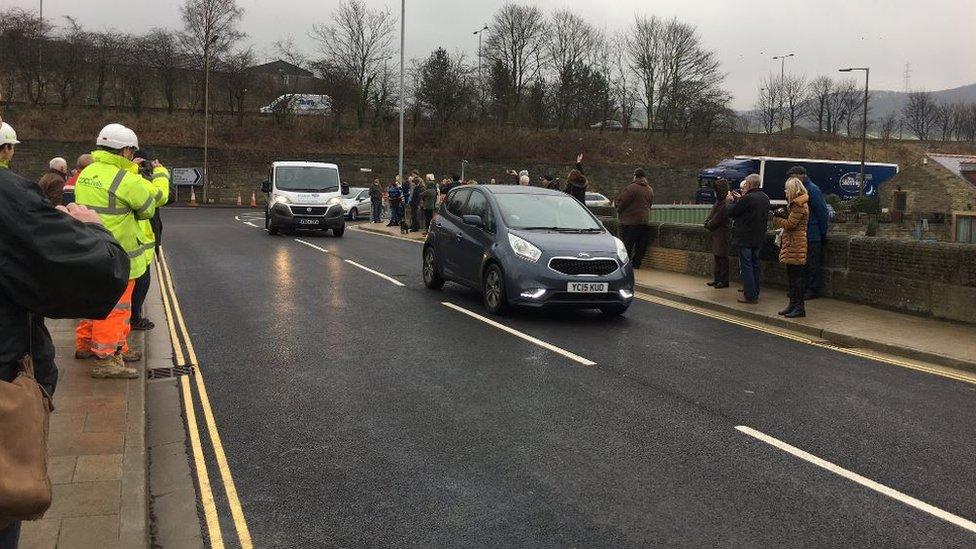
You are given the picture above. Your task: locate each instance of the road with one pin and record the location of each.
(358, 410)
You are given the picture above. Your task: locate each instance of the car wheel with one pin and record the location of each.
(432, 278)
(339, 232)
(614, 310)
(493, 290)
(353, 214)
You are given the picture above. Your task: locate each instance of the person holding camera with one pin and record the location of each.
(793, 244)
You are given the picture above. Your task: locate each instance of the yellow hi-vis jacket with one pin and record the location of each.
(112, 187)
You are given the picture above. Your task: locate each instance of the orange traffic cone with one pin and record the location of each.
(193, 197)
(240, 202)
(254, 201)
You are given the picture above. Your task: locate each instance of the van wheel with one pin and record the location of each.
(432, 276)
(339, 232)
(493, 290)
(272, 228)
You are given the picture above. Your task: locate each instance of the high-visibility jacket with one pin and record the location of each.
(112, 187)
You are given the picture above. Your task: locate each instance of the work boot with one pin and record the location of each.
(789, 309)
(112, 367)
(84, 355)
(797, 312)
(132, 355)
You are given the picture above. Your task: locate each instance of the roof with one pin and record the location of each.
(280, 67)
(303, 164)
(517, 189)
(814, 160)
(952, 162)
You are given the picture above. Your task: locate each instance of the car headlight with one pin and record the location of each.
(280, 199)
(621, 251)
(333, 201)
(523, 248)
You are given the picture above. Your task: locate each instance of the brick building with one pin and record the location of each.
(940, 188)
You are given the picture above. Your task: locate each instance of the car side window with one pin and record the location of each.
(478, 205)
(455, 202)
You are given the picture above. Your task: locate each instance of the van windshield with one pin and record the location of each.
(314, 179)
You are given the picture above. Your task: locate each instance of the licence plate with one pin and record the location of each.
(308, 221)
(587, 287)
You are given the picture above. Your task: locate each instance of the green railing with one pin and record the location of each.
(686, 214)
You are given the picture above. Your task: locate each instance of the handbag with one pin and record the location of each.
(25, 408)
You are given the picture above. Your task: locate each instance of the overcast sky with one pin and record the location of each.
(935, 36)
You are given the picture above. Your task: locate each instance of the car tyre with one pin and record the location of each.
(493, 290)
(338, 232)
(353, 214)
(614, 310)
(432, 275)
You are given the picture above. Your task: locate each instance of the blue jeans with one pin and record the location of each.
(9, 536)
(751, 273)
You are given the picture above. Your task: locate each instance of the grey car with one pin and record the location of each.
(527, 247)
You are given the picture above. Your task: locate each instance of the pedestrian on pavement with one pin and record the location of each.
(751, 216)
(634, 211)
(395, 197)
(77, 269)
(551, 182)
(407, 190)
(8, 141)
(112, 186)
(793, 245)
(416, 203)
(576, 181)
(53, 180)
(69, 185)
(718, 235)
(817, 227)
(152, 229)
(429, 200)
(376, 201)
(454, 182)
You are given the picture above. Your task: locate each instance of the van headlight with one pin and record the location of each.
(281, 199)
(523, 248)
(334, 201)
(621, 251)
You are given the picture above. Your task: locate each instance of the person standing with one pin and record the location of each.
(77, 269)
(112, 186)
(69, 185)
(817, 227)
(429, 199)
(407, 191)
(53, 180)
(395, 197)
(793, 245)
(8, 142)
(751, 216)
(634, 208)
(576, 181)
(416, 203)
(376, 200)
(718, 235)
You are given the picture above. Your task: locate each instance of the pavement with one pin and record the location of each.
(352, 407)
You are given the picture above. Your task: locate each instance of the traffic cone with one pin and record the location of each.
(193, 197)
(254, 201)
(240, 202)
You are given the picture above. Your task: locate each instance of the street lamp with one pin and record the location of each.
(864, 127)
(209, 41)
(782, 84)
(480, 83)
(463, 164)
(403, 13)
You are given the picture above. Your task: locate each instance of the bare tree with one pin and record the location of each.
(919, 113)
(794, 90)
(691, 74)
(288, 51)
(357, 42)
(567, 47)
(818, 94)
(237, 79)
(623, 83)
(644, 46)
(67, 70)
(967, 125)
(210, 28)
(946, 118)
(165, 57)
(767, 104)
(887, 126)
(24, 34)
(515, 42)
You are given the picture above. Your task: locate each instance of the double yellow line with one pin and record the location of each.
(174, 319)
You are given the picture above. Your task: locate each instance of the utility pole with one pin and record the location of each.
(864, 129)
(40, 49)
(481, 85)
(207, 44)
(403, 13)
(782, 85)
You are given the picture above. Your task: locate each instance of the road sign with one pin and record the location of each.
(187, 177)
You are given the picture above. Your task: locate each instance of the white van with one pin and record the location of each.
(304, 196)
(299, 103)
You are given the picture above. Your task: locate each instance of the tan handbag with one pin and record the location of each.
(25, 488)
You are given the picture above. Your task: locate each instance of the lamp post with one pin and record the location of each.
(208, 42)
(403, 13)
(480, 83)
(782, 84)
(864, 127)
(463, 163)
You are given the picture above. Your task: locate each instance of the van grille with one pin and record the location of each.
(593, 267)
(308, 210)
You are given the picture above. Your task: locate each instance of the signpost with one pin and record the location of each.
(187, 177)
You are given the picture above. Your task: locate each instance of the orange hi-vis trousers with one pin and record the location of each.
(105, 337)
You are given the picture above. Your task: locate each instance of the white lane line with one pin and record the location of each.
(377, 273)
(310, 245)
(237, 217)
(251, 224)
(526, 337)
(863, 481)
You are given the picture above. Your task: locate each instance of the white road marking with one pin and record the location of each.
(526, 337)
(863, 481)
(310, 245)
(377, 273)
(251, 224)
(237, 217)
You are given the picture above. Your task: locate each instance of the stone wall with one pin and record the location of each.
(927, 278)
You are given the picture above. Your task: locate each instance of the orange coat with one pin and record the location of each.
(793, 243)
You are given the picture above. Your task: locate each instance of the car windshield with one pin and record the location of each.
(594, 196)
(545, 211)
(353, 192)
(316, 179)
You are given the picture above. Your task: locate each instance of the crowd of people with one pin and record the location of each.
(75, 245)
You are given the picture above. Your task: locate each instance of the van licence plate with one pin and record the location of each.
(587, 287)
(308, 221)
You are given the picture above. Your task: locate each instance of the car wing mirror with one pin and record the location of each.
(266, 186)
(473, 220)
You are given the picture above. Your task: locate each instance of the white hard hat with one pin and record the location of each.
(117, 136)
(58, 163)
(7, 135)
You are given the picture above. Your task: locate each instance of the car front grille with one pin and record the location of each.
(308, 210)
(592, 267)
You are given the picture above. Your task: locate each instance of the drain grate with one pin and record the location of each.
(165, 373)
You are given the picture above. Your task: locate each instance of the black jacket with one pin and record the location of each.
(751, 215)
(50, 266)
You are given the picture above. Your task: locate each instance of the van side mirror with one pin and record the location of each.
(266, 186)
(473, 220)
(344, 188)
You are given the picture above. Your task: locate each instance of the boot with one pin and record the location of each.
(710, 283)
(132, 356)
(84, 355)
(112, 367)
(797, 312)
(789, 309)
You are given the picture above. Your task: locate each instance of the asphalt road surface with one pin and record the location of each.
(359, 412)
